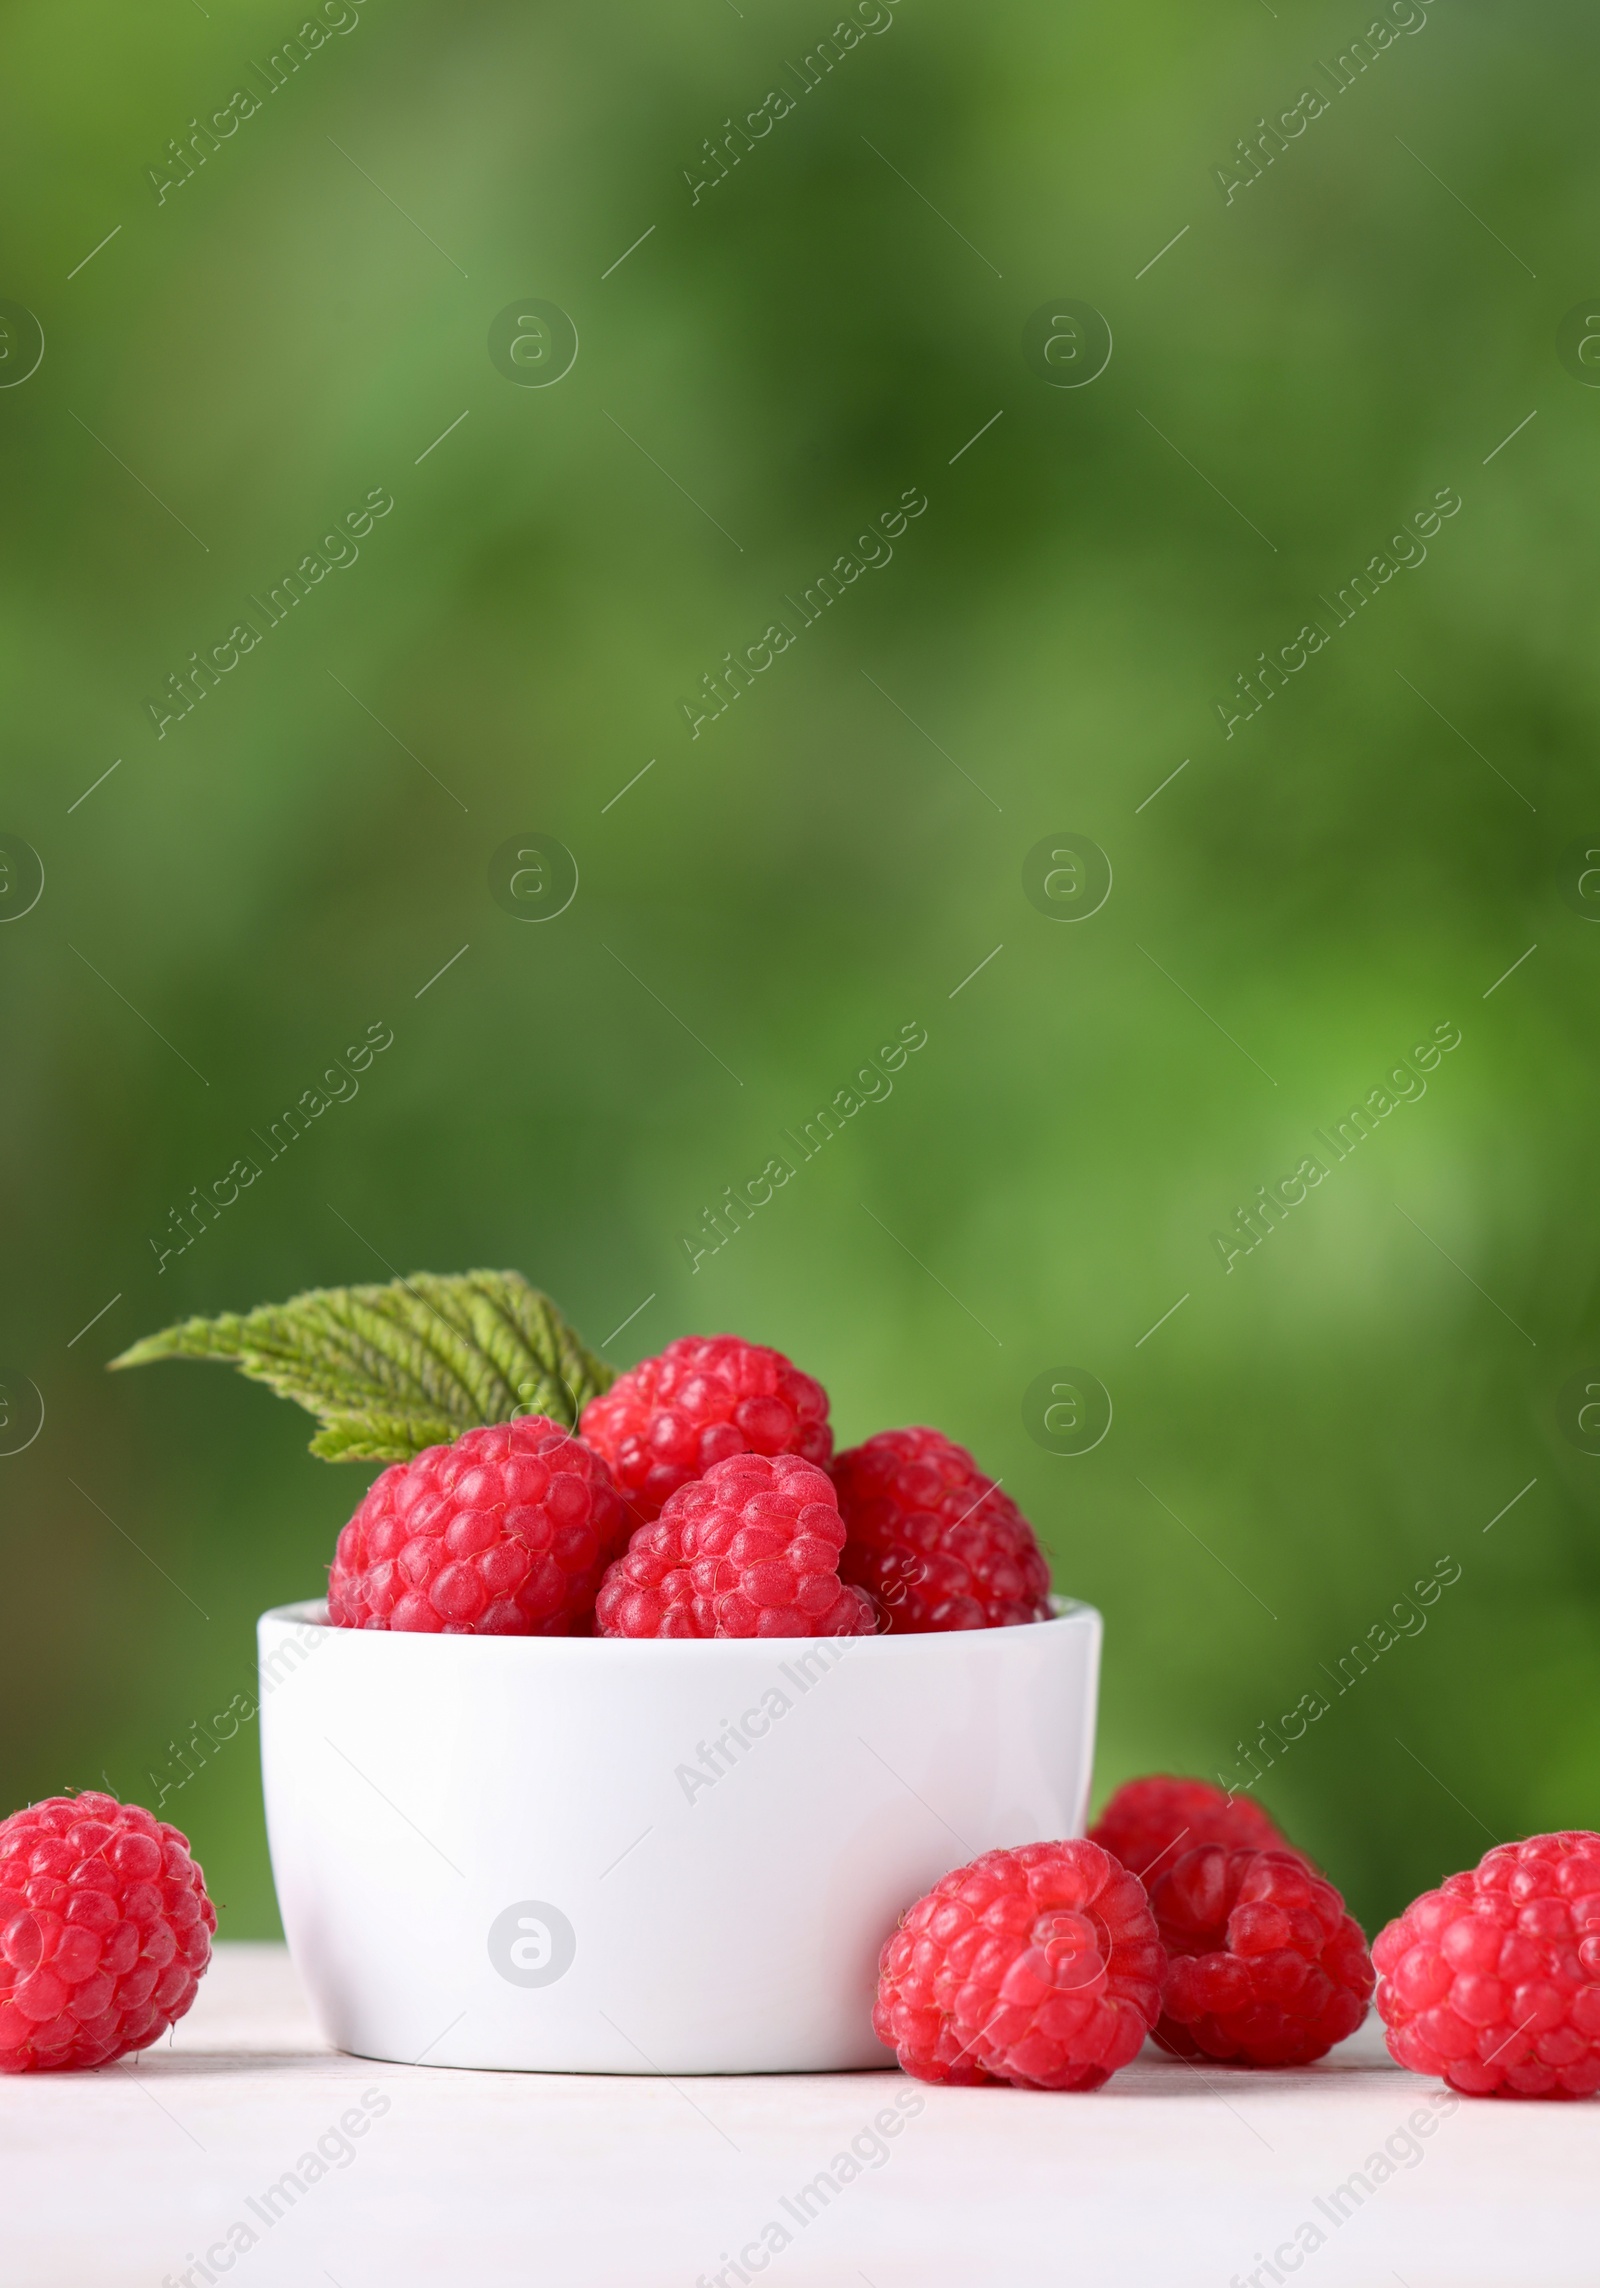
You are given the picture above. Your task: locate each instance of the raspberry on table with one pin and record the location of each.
(1493, 1980)
(505, 1533)
(749, 1550)
(1039, 1966)
(1264, 1968)
(1148, 1824)
(934, 1538)
(703, 1399)
(105, 1929)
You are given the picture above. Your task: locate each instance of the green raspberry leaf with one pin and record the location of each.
(390, 1370)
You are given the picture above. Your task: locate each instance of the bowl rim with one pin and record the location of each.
(1068, 1613)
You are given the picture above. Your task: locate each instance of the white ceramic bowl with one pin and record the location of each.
(585, 1855)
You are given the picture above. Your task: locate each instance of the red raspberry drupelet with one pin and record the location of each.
(934, 1539)
(1493, 1980)
(749, 1550)
(105, 1928)
(505, 1533)
(1039, 1966)
(1149, 1823)
(707, 1396)
(1265, 1967)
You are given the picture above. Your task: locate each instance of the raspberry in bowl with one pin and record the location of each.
(506, 1533)
(933, 1537)
(751, 1549)
(704, 1398)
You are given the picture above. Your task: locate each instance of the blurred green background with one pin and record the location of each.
(771, 368)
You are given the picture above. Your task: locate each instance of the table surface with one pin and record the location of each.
(1167, 2176)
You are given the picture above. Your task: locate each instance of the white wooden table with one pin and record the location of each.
(125, 2177)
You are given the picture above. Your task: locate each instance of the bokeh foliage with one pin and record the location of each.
(280, 870)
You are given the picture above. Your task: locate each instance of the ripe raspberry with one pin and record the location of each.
(707, 1396)
(1265, 1968)
(1149, 1823)
(105, 1928)
(1039, 1966)
(505, 1533)
(934, 1538)
(749, 1550)
(1493, 1980)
